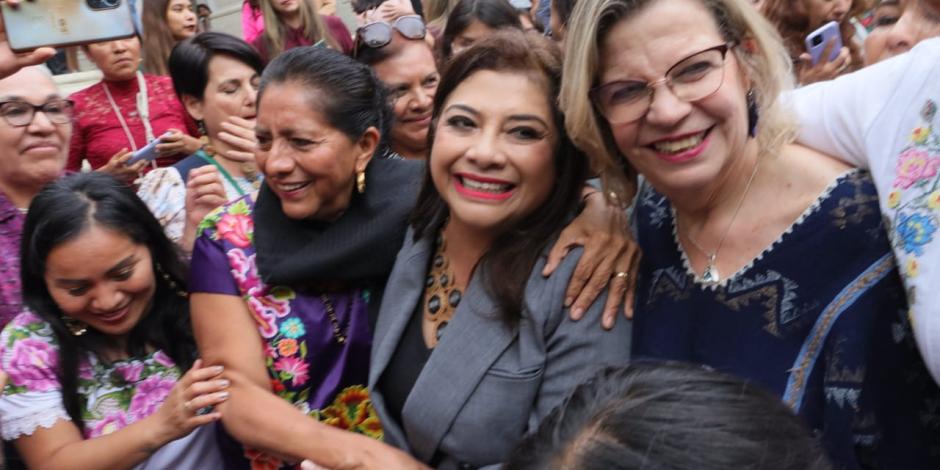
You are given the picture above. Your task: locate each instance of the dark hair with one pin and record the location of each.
(189, 60)
(563, 9)
(62, 211)
(345, 92)
(668, 415)
(508, 263)
(496, 14)
(360, 6)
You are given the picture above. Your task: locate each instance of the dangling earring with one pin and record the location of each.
(752, 114)
(76, 327)
(201, 127)
(361, 182)
(170, 282)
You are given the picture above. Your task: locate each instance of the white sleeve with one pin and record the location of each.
(836, 116)
(21, 414)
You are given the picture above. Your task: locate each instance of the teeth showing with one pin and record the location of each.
(496, 188)
(291, 187)
(680, 145)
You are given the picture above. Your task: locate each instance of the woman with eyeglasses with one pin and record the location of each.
(761, 258)
(294, 23)
(404, 62)
(35, 126)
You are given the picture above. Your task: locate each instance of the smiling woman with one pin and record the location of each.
(107, 318)
(405, 64)
(474, 348)
(729, 210)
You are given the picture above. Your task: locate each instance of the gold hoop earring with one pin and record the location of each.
(76, 327)
(361, 182)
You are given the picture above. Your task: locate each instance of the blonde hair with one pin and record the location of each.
(275, 30)
(437, 11)
(760, 52)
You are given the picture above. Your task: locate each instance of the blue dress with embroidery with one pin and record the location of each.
(819, 318)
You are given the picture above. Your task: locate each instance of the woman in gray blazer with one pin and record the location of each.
(473, 345)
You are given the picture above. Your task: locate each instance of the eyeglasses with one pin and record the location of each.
(692, 78)
(20, 113)
(379, 34)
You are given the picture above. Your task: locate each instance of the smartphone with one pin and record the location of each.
(817, 40)
(147, 152)
(37, 23)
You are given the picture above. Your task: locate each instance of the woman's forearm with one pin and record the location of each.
(259, 419)
(122, 449)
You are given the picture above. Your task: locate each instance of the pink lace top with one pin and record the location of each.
(98, 134)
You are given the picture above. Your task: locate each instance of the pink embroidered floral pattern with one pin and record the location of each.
(112, 395)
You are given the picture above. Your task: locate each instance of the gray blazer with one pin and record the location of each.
(484, 387)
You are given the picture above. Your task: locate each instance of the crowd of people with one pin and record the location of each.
(463, 234)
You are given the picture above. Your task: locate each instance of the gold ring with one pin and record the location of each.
(621, 274)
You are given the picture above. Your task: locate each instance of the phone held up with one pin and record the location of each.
(37, 23)
(817, 41)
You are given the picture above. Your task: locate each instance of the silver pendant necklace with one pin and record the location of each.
(711, 276)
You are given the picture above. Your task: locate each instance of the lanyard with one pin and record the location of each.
(143, 109)
(202, 154)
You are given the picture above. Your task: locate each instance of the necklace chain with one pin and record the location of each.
(331, 312)
(710, 274)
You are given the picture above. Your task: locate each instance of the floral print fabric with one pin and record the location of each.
(11, 230)
(307, 365)
(113, 395)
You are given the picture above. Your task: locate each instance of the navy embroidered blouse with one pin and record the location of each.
(819, 318)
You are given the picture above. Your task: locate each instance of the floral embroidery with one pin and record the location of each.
(293, 369)
(352, 410)
(287, 347)
(914, 201)
(915, 231)
(293, 328)
(295, 356)
(915, 165)
(112, 395)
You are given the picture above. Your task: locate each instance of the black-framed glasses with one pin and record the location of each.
(20, 113)
(692, 78)
(379, 33)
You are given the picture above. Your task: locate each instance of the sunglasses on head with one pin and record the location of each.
(379, 34)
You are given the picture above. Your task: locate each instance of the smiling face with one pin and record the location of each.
(412, 77)
(181, 19)
(102, 278)
(118, 60)
(35, 154)
(310, 165)
(232, 90)
(677, 145)
(492, 159)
